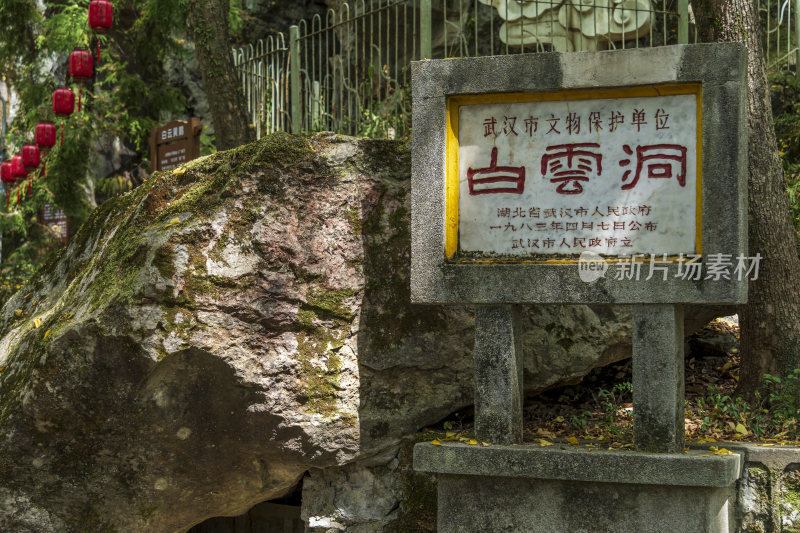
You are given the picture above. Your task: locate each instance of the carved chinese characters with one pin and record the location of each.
(558, 177)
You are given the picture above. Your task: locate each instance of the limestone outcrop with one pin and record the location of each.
(208, 338)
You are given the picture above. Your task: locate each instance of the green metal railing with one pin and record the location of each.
(348, 71)
(780, 23)
(265, 76)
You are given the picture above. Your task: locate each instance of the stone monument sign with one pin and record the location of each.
(523, 163)
(591, 177)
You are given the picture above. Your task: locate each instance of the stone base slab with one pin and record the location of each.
(569, 490)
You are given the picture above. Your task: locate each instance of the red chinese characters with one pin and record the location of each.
(571, 164)
(496, 179)
(659, 161)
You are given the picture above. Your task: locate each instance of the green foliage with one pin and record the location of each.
(65, 29)
(580, 421)
(774, 415)
(130, 95)
(785, 96)
(610, 401)
(17, 18)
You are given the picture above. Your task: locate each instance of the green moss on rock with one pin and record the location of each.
(322, 322)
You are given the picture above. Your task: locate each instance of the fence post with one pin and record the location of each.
(796, 16)
(294, 77)
(683, 21)
(425, 29)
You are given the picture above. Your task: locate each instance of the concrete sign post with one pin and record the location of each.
(604, 177)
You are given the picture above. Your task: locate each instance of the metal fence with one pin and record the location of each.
(780, 23)
(348, 71)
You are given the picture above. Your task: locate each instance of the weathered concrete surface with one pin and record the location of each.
(543, 490)
(208, 338)
(694, 469)
(658, 383)
(498, 374)
(769, 489)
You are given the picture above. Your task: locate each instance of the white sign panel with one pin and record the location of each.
(616, 175)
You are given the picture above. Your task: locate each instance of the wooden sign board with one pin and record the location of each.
(54, 218)
(174, 144)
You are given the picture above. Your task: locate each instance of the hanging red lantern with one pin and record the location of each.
(7, 172)
(63, 106)
(19, 167)
(7, 177)
(45, 135)
(20, 173)
(101, 16)
(31, 158)
(81, 68)
(63, 102)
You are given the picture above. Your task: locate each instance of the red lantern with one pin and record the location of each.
(18, 167)
(31, 158)
(63, 102)
(81, 66)
(101, 15)
(7, 172)
(7, 176)
(45, 135)
(63, 106)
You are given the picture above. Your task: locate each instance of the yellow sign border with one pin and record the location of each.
(455, 102)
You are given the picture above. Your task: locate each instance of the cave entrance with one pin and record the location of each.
(274, 516)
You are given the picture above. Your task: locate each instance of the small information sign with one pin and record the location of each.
(54, 218)
(557, 174)
(174, 144)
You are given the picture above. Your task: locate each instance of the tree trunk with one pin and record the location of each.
(208, 22)
(770, 322)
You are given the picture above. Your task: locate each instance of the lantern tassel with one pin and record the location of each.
(80, 95)
(98, 52)
(44, 167)
(62, 134)
(17, 195)
(8, 199)
(29, 187)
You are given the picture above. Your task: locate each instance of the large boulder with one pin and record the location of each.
(208, 338)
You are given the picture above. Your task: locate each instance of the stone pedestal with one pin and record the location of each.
(573, 490)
